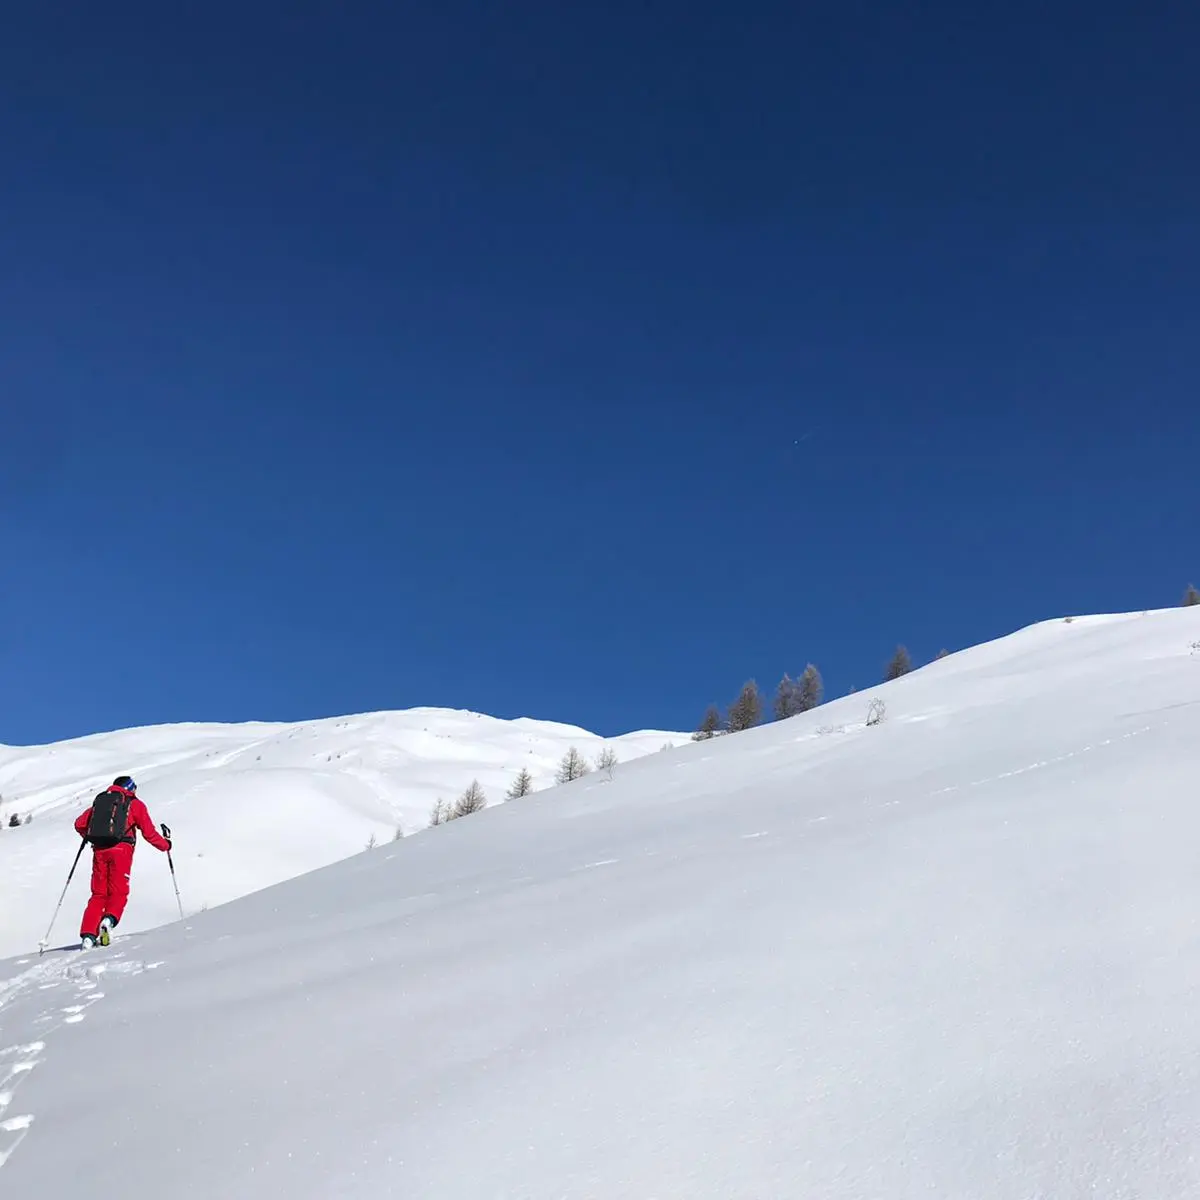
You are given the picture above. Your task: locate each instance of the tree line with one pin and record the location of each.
(794, 696)
(572, 766)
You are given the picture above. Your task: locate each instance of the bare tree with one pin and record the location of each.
(607, 760)
(710, 726)
(1191, 596)
(787, 699)
(573, 766)
(876, 711)
(899, 664)
(940, 655)
(746, 710)
(439, 814)
(398, 836)
(471, 801)
(521, 786)
(811, 689)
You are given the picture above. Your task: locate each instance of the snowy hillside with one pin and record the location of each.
(956, 954)
(251, 805)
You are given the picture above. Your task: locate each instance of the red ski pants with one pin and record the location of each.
(110, 887)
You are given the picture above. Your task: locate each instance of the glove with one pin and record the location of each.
(166, 832)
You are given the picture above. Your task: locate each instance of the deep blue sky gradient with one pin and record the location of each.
(580, 361)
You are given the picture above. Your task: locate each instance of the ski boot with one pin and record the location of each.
(105, 926)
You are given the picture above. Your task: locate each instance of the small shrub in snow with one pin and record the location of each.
(14, 822)
(607, 760)
(521, 786)
(876, 711)
(371, 842)
(399, 834)
(573, 766)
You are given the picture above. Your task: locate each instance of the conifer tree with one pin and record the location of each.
(746, 710)
(787, 699)
(899, 664)
(710, 726)
(521, 786)
(811, 689)
(573, 766)
(471, 801)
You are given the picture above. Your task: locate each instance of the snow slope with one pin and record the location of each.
(953, 955)
(251, 805)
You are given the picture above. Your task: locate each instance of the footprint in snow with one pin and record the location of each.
(19, 1051)
(12, 1134)
(17, 1071)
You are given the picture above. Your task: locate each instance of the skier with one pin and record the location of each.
(111, 824)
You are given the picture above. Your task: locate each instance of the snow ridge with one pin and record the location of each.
(255, 803)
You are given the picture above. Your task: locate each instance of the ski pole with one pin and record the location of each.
(166, 832)
(70, 874)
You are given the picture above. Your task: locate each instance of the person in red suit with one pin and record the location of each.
(111, 823)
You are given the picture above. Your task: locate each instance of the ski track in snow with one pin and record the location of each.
(18, 1061)
(824, 818)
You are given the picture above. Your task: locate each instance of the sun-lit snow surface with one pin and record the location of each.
(251, 805)
(955, 955)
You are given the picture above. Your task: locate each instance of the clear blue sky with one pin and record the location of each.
(579, 361)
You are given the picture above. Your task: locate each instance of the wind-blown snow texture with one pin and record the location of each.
(251, 805)
(954, 955)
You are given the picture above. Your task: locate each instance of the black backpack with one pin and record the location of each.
(109, 820)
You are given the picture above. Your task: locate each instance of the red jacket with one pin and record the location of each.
(139, 822)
